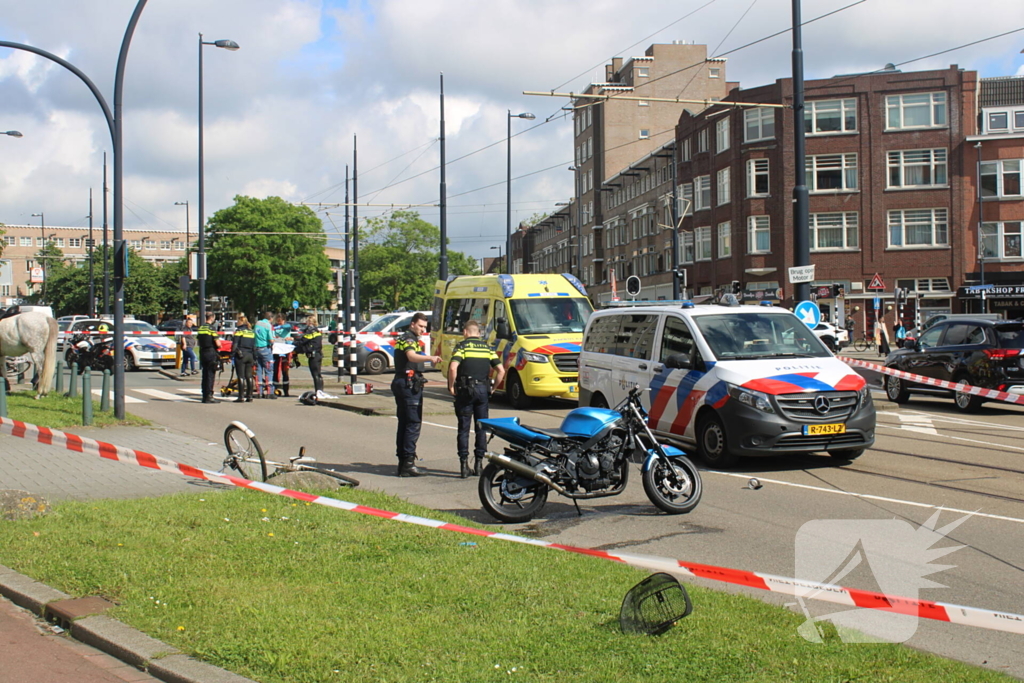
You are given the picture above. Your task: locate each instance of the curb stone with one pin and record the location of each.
(116, 639)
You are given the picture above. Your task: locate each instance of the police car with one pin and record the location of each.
(730, 381)
(139, 351)
(376, 350)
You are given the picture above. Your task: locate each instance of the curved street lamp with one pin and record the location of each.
(13, 133)
(508, 188)
(201, 265)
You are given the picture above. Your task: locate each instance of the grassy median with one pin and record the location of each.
(60, 412)
(285, 591)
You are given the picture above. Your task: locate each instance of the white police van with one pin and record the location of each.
(730, 380)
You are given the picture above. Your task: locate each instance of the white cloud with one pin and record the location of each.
(281, 112)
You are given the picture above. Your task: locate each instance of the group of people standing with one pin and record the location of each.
(472, 364)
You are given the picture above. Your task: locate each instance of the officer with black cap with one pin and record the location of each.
(407, 387)
(469, 381)
(209, 359)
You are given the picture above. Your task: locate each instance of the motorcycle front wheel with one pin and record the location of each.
(510, 497)
(676, 489)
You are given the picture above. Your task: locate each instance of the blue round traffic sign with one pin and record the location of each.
(295, 304)
(809, 313)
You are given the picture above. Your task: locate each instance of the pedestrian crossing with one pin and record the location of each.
(184, 394)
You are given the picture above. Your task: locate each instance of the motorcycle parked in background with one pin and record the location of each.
(92, 352)
(588, 457)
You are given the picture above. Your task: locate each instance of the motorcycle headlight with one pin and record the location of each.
(535, 357)
(754, 399)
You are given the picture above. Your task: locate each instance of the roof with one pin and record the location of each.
(1002, 91)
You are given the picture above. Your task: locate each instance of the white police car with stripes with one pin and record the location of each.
(730, 380)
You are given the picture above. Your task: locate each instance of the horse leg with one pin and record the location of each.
(3, 373)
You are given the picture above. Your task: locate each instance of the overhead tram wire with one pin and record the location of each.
(719, 46)
(418, 157)
(385, 163)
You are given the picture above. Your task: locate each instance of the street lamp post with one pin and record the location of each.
(201, 265)
(499, 253)
(12, 133)
(508, 188)
(42, 257)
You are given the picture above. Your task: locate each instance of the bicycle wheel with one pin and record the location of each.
(245, 456)
(326, 469)
(860, 345)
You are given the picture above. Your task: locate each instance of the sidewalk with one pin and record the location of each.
(30, 651)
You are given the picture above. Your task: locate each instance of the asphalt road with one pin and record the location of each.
(928, 458)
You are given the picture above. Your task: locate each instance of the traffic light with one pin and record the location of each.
(737, 288)
(838, 291)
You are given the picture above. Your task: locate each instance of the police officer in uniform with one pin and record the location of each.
(206, 339)
(407, 387)
(243, 350)
(312, 346)
(469, 381)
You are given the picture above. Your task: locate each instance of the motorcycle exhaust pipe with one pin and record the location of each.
(523, 469)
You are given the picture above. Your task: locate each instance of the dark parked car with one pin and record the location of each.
(171, 326)
(982, 353)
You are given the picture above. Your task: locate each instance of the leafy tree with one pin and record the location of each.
(67, 286)
(2, 245)
(399, 261)
(171, 296)
(260, 271)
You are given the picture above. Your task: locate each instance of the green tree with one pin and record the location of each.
(2, 245)
(171, 297)
(399, 261)
(67, 286)
(258, 271)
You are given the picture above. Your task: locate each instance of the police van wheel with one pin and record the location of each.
(598, 401)
(516, 393)
(376, 363)
(712, 444)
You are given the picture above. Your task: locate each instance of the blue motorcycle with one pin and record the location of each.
(588, 457)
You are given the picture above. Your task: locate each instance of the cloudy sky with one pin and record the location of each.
(282, 111)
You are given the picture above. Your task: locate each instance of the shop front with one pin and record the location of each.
(1007, 300)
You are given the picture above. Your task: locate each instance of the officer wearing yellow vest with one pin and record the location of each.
(312, 346)
(469, 373)
(243, 352)
(206, 340)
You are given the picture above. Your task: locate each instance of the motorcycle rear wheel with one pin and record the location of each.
(676, 494)
(504, 497)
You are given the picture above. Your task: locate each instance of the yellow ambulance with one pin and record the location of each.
(534, 322)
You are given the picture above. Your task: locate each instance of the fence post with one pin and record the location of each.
(105, 392)
(87, 396)
(60, 376)
(72, 383)
(3, 398)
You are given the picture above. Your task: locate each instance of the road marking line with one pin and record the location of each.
(960, 438)
(191, 390)
(432, 424)
(163, 395)
(917, 423)
(867, 496)
(965, 421)
(127, 398)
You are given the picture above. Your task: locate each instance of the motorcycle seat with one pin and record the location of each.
(553, 433)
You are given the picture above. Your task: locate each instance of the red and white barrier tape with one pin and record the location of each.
(938, 611)
(942, 384)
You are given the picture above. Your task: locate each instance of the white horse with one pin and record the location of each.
(35, 334)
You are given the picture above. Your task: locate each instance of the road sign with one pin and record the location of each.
(632, 285)
(36, 275)
(876, 282)
(799, 274)
(295, 304)
(184, 282)
(809, 313)
(878, 302)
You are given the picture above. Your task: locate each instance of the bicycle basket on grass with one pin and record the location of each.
(654, 605)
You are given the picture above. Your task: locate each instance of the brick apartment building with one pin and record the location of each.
(21, 274)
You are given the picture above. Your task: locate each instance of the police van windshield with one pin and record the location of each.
(549, 315)
(750, 336)
(380, 323)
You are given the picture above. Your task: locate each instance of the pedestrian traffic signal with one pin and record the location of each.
(838, 291)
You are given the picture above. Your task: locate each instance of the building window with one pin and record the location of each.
(645, 133)
(40, 242)
(918, 228)
(714, 72)
(757, 178)
(702, 141)
(918, 110)
(834, 231)
(684, 200)
(702, 236)
(759, 124)
(135, 244)
(722, 135)
(59, 242)
(759, 238)
(643, 71)
(1001, 178)
(179, 246)
(686, 247)
(917, 168)
(9, 240)
(165, 245)
(1004, 120)
(824, 117)
(702, 192)
(1002, 240)
(832, 172)
(724, 239)
(685, 154)
(26, 241)
(75, 242)
(723, 186)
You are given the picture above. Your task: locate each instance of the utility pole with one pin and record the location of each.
(801, 219)
(443, 261)
(106, 245)
(355, 227)
(92, 280)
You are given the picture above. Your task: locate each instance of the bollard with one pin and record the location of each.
(3, 398)
(72, 384)
(87, 397)
(105, 392)
(60, 377)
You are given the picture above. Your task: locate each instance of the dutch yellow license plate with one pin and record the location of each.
(824, 430)
(168, 356)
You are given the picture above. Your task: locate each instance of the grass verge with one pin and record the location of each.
(59, 412)
(284, 591)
